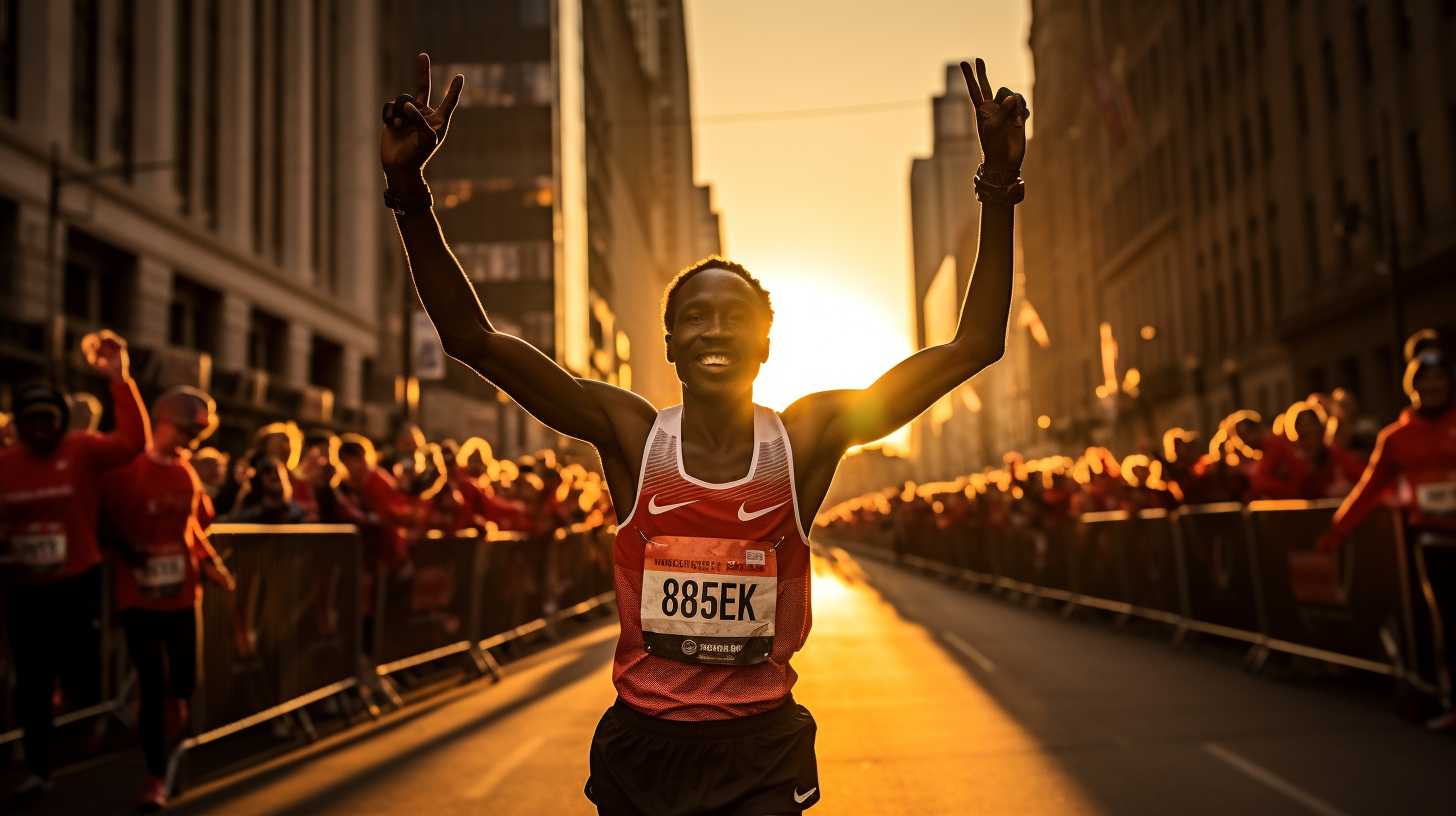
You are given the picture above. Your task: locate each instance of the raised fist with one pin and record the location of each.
(105, 352)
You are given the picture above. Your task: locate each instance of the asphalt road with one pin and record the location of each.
(930, 700)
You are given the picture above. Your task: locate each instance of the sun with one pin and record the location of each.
(828, 337)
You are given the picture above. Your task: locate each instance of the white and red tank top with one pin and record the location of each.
(712, 581)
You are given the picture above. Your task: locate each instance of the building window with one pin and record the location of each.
(1266, 130)
(1228, 163)
(533, 13)
(1311, 240)
(1301, 102)
(1246, 136)
(500, 84)
(9, 57)
(1400, 19)
(326, 364)
(267, 339)
(212, 115)
(1414, 169)
(1362, 42)
(123, 136)
(1276, 283)
(1332, 81)
(1256, 296)
(182, 101)
(1376, 200)
(100, 282)
(85, 39)
(194, 315)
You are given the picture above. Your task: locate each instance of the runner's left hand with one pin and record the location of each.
(1000, 120)
(219, 574)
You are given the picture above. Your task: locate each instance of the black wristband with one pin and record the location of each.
(410, 202)
(990, 192)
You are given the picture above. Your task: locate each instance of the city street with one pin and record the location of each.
(930, 700)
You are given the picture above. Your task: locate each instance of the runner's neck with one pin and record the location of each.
(719, 427)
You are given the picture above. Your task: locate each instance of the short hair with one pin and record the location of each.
(357, 445)
(669, 299)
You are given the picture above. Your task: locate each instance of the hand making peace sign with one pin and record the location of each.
(1000, 121)
(413, 129)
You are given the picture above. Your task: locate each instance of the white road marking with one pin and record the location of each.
(500, 770)
(1269, 778)
(969, 651)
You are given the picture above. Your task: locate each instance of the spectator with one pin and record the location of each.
(267, 498)
(48, 517)
(85, 411)
(1308, 469)
(212, 468)
(157, 505)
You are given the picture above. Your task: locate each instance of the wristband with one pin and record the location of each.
(989, 192)
(412, 201)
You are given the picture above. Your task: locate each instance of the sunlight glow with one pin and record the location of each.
(827, 337)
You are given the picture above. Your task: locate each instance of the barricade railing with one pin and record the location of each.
(1250, 573)
(96, 681)
(289, 635)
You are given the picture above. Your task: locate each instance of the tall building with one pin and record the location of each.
(566, 188)
(218, 204)
(971, 427)
(1218, 193)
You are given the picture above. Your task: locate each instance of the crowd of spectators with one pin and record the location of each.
(1317, 448)
(143, 497)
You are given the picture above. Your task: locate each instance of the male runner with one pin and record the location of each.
(1417, 455)
(48, 510)
(716, 494)
(160, 513)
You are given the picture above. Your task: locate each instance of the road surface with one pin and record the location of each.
(930, 700)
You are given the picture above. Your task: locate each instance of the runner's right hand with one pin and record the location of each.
(413, 128)
(105, 351)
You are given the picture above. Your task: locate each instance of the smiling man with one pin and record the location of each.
(711, 557)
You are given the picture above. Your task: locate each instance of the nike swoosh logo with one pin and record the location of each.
(744, 515)
(654, 508)
(800, 798)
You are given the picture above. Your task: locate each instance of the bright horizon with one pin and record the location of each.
(817, 203)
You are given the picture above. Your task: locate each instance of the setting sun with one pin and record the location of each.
(826, 337)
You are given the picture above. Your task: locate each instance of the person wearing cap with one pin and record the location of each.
(1416, 454)
(160, 512)
(48, 543)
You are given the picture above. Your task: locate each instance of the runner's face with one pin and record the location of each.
(719, 335)
(1433, 387)
(40, 431)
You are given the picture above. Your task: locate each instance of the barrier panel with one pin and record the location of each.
(289, 634)
(1220, 573)
(94, 678)
(1152, 553)
(1099, 562)
(1048, 558)
(431, 609)
(1344, 609)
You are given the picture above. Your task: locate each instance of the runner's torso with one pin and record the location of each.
(712, 581)
(153, 503)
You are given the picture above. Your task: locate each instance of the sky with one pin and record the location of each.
(817, 204)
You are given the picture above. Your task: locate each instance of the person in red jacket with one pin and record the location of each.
(1416, 455)
(48, 511)
(159, 511)
(1308, 468)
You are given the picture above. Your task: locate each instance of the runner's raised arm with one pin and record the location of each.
(850, 417)
(413, 131)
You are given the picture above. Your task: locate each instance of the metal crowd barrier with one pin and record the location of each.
(105, 661)
(288, 636)
(1250, 573)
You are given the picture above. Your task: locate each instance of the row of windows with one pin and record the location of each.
(505, 260)
(498, 84)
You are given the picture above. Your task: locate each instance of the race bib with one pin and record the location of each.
(163, 574)
(1437, 499)
(39, 552)
(709, 600)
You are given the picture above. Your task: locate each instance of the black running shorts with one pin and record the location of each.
(747, 766)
